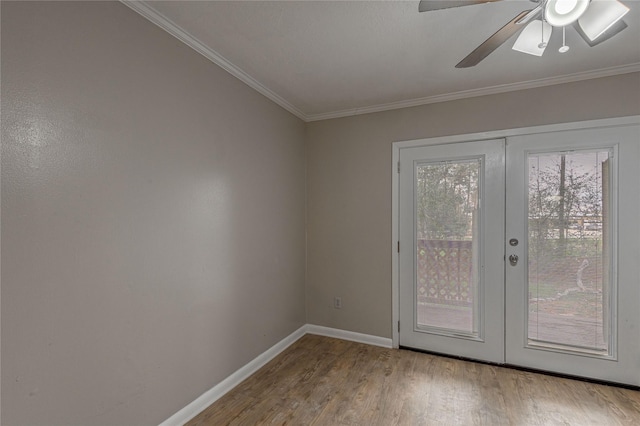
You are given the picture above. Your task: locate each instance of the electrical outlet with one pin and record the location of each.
(337, 303)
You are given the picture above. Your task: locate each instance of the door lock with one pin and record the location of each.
(513, 259)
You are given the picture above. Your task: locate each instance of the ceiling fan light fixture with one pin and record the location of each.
(534, 38)
(601, 15)
(560, 13)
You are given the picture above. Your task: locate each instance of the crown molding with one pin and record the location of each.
(148, 12)
(492, 90)
(143, 8)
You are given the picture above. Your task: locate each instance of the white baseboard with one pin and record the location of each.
(216, 392)
(348, 335)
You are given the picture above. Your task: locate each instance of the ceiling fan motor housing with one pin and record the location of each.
(560, 13)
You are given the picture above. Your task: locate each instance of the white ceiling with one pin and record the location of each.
(324, 59)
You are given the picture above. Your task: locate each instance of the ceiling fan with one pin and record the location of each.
(595, 20)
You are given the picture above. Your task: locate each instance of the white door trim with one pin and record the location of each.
(397, 146)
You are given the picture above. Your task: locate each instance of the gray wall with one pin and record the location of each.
(349, 185)
(153, 211)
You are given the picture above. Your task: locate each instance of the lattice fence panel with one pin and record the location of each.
(445, 272)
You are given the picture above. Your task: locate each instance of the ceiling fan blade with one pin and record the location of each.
(496, 40)
(610, 32)
(429, 5)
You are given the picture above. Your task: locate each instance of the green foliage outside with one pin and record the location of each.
(446, 199)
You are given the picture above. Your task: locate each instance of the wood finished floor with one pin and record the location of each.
(325, 381)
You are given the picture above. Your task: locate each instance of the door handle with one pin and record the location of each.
(513, 259)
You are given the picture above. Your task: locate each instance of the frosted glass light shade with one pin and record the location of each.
(600, 16)
(560, 13)
(531, 36)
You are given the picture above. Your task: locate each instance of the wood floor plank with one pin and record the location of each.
(324, 381)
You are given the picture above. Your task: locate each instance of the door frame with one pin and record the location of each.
(469, 137)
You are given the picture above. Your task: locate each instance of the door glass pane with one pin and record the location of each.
(446, 237)
(568, 250)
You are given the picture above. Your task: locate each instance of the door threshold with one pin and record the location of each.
(527, 369)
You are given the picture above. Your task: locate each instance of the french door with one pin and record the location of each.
(524, 250)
